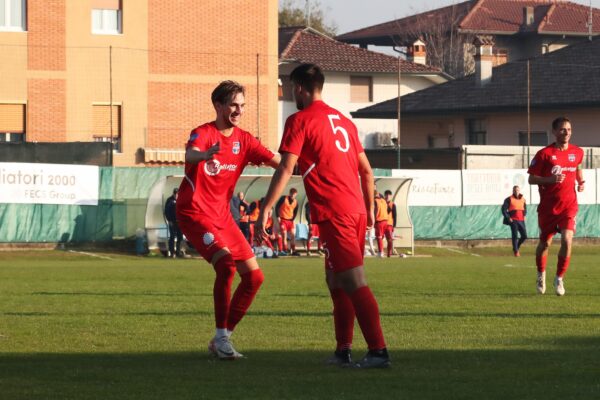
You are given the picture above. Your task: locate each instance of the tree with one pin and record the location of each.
(447, 48)
(310, 14)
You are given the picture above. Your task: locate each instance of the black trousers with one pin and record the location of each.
(174, 232)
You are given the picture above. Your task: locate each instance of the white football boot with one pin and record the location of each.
(540, 283)
(222, 348)
(559, 285)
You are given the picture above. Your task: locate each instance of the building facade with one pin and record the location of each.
(137, 73)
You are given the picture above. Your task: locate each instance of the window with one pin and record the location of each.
(538, 138)
(476, 131)
(361, 89)
(106, 125)
(12, 122)
(106, 17)
(12, 15)
(285, 88)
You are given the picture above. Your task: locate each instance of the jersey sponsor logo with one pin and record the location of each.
(236, 148)
(208, 239)
(553, 157)
(572, 157)
(213, 167)
(556, 170)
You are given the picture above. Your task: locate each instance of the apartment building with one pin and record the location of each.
(137, 73)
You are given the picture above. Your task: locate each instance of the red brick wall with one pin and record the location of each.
(46, 36)
(215, 37)
(174, 109)
(46, 110)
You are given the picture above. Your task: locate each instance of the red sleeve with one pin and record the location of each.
(257, 153)
(537, 164)
(293, 136)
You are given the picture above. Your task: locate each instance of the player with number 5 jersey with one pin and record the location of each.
(339, 185)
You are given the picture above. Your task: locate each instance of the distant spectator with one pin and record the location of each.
(514, 210)
(174, 231)
(286, 211)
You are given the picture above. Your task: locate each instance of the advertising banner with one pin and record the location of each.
(432, 187)
(48, 184)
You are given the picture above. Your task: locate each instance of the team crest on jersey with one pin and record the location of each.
(553, 157)
(236, 148)
(572, 157)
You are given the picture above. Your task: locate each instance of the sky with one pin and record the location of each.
(350, 15)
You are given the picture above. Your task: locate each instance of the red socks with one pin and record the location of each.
(540, 262)
(243, 296)
(367, 314)
(343, 318)
(562, 266)
(225, 269)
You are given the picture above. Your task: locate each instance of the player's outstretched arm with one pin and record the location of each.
(274, 162)
(545, 180)
(367, 185)
(194, 155)
(281, 177)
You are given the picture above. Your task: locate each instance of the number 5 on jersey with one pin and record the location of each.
(339, 129)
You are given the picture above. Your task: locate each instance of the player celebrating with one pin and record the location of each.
(330, 158)
(286, 210)
(215, 157)
(555, 169)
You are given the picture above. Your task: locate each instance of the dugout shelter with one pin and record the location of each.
(255, 187)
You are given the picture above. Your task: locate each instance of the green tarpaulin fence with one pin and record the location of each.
(123, 195)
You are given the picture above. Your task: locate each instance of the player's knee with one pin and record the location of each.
(254, 278)
(225, 266)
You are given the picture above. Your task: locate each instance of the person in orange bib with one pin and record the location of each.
(381, 222)
(514, 210)
(253, 212)
(286, 210)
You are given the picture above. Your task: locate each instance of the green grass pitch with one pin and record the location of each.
(458, 325)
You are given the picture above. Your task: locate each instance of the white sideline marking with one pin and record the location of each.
(462, 252)
(90, 254)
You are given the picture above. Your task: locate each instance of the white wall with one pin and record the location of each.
(336, 93)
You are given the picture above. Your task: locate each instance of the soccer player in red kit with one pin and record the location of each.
(555, 169)
(215, 157)
(330, 159)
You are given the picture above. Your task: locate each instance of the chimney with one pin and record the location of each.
(527, 16)
(483, 59)
(417, 52)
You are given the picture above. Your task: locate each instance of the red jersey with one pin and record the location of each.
(327, 146)
(208, 186)
(557, 198)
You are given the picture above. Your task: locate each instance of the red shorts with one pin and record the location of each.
(550, 225)
(343, 239)
(286, 225)
(208, 239)
(380, 228)
(314, 230)
(390, 230)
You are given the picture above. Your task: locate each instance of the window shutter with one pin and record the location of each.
(101, 121)
(12, 118)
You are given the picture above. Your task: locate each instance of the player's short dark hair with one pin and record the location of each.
(387, 192)
(225, 91)
(175, 190)
(558, 122)
(309, 76)
(293, 190)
